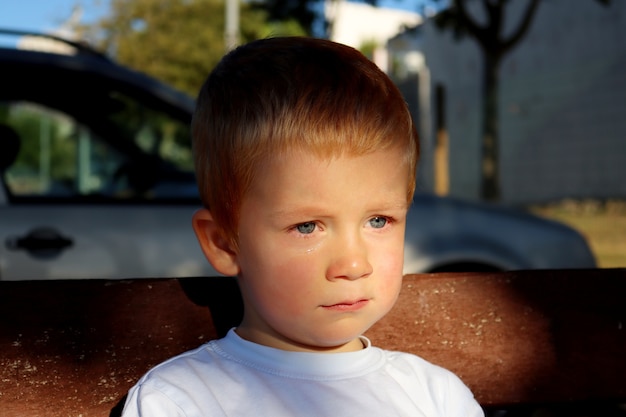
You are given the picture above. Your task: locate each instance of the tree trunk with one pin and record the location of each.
(490, 172)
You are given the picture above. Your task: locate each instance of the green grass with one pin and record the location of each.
(602, 223)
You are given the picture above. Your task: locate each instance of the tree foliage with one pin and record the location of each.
(302, 11)
(177, 41)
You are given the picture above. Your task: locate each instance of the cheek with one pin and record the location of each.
(387, 292)
(281, 285)
(388, 268)
(388, 253)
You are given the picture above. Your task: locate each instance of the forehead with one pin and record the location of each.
(297, 177)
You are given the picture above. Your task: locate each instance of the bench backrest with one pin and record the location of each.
(76, 347)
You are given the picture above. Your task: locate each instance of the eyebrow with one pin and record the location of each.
(315, 211)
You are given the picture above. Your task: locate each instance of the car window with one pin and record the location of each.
(127, 153)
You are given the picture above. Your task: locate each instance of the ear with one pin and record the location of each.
(215, 246)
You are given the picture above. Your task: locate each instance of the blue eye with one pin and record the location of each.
(378, 222)
(306, 228)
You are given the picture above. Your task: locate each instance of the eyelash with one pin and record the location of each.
(297, 227)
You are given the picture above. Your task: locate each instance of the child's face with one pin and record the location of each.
(321, 249)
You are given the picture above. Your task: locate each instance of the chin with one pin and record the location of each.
(338, 338)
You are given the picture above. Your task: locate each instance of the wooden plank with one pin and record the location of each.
(74, 348)
(528, 337)
(518, 337)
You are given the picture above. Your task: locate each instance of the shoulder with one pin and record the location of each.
(173, 387)
(423, 379)
(419, 366)
(184, 366)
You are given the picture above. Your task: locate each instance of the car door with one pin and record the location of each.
(77, 204)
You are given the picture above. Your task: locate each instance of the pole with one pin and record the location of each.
(231, 31)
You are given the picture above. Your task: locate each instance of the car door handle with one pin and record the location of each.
(40, 241)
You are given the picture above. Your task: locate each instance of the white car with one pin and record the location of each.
(97, 182)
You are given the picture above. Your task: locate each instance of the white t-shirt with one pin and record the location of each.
(234, 377)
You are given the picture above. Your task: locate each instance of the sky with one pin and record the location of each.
(47, 15)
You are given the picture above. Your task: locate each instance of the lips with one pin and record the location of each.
(347, 305)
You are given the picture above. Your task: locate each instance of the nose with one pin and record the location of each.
(349, 260)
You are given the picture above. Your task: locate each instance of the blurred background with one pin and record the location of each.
(518, 103)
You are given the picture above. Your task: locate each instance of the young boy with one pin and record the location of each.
(305, 156)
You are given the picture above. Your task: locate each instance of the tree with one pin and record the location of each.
(177, 41)
(305, 12)
(494, 46)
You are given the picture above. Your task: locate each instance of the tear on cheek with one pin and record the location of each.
(312, 249)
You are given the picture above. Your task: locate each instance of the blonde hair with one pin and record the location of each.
(279, 94)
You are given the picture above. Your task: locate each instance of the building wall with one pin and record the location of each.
(562, 104)
(356, 24)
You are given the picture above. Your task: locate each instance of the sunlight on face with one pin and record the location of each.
(321, 249)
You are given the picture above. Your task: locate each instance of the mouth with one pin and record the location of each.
(347, 305)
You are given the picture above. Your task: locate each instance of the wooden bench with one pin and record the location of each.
(521, 340)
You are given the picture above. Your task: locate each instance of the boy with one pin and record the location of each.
(305, 156)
